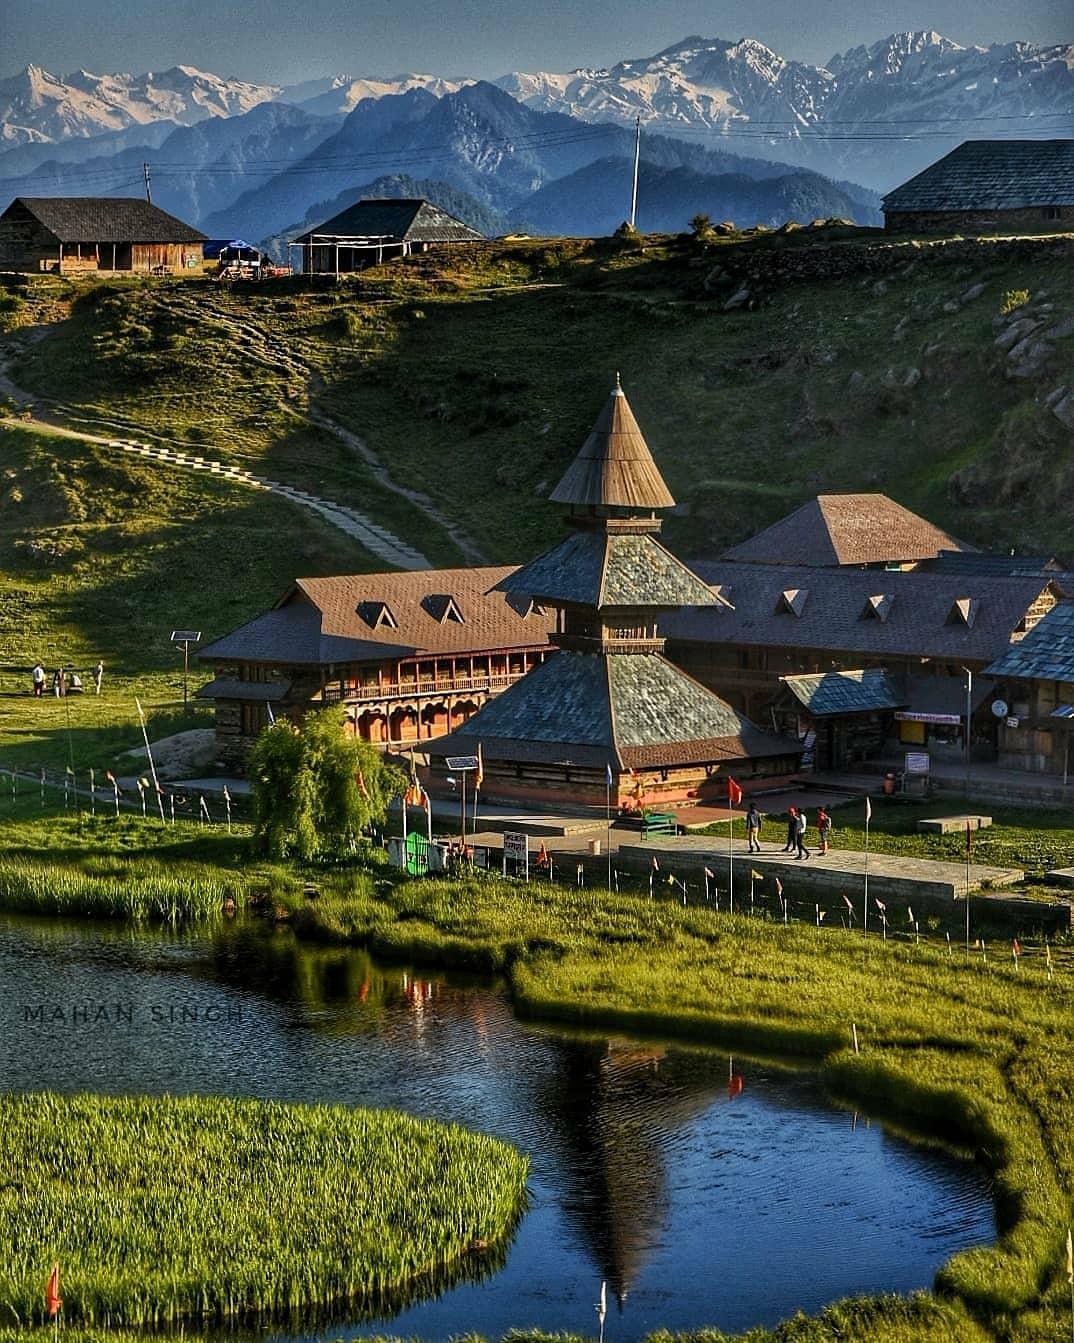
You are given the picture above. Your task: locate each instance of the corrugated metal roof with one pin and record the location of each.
(396, 220)
(615, 467)
(846, 529)
(1046, 653)
(595, 568)
(991, 175)
(843, 692)
(918, 623)
(116, 219)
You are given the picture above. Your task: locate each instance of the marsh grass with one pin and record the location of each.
(205, 1208)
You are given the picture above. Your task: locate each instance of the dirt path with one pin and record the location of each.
(378, 540)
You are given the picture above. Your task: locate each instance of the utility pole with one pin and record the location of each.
(637, 161)
(148, 190)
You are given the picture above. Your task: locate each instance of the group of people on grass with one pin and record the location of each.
(797, 828)
(64, 682)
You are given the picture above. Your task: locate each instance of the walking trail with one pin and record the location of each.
(37, 413)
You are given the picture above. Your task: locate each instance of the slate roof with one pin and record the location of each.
(842, 692)
(921, 620)
(1046, 653)
(595, 568)
(106, 219)
(846, 529)
(991, 175)
(980, 562)
(614, 467)
(263, 692)
(398, 220)
(625, 710)
(339, 620)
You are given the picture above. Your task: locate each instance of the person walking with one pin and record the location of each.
(800, 834)
(753, 828)
(37, 676)
(98, 676)
(824, 829)
(792, 830)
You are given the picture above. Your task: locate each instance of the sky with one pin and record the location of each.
(283, 41)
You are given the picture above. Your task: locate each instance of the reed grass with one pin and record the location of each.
(195, 1208)
(154, 892)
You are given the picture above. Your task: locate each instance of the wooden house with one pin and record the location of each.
(1035, 697)
(408, 655)
(80, 234)
(989, 186)
(372, 231)
(609, 718)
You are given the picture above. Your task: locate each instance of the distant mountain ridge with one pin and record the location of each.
(817, 116)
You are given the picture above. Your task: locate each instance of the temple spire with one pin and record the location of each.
(615, 468)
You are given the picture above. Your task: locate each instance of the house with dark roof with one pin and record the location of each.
(409, 656)
(989, 186)
(374, 230)
(609, 717)
(1036, 690)
(926, 630)
(858, 530)
(79, 234)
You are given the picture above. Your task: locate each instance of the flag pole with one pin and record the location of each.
(149, 753)
(969, 843)
(608, 821)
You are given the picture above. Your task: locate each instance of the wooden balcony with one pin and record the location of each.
(430, 688)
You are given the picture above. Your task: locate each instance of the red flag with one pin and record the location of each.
(779, 887)
(734, 792)
(542, 856)
(1016, 948)
(359, 779)
(53, 1300)
(735, 1085)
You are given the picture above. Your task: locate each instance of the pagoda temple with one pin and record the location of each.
(608, 699)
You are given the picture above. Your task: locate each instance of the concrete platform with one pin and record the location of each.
(1060, 876)
(949, 825)
(841, 871)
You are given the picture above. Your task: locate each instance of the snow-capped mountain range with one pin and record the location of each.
(873, 114)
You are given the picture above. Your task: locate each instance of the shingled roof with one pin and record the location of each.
(615, 467)
(991, 175)
(828, 693)
(623, 710)
(367, 617)
(847, 529)
(396, 221)
(594, 568)
(119, 219)
(957, 616)
(1046, 653)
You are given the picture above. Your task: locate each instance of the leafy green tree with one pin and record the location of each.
(316, 788)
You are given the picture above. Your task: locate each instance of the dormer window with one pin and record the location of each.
(964, 612)
(878, 607)
(443, 608)
(377, 615)
(722, 593)
(524, 606)
(792, 600)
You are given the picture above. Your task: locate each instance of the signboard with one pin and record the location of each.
(917, 762)
(516, 853)
(1013, 722)
(460, 763)
(947, 719)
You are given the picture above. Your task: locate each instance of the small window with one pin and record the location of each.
(443, 607)
(878, 607)
(793, 600)
(1053, 212)
(377, 614)
(964, 612)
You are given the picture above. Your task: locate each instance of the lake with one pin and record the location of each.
(703, 1190)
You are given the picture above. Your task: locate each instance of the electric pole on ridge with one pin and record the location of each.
(637, 160)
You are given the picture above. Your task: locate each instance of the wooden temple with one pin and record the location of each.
(609, 702)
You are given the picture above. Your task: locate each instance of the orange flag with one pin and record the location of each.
(53, 1300)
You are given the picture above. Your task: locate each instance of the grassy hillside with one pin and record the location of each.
(102, 556)
(475, 376)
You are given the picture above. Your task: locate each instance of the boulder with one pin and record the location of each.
(950, 306)
(912, 378)
(974, 292)
(1028, 357)
(1017, 332)
(1061, 329)
(737, 300)
(1063, 410)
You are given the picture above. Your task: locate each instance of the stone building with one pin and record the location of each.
(74, 235)
(609, 715)
(989, 186)
(408, 655)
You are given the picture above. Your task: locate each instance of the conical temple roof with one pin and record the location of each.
(615, 466)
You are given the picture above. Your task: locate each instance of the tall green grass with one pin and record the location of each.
(160, 1210)
(152, 892)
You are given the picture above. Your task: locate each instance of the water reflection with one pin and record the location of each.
(699, 1200)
